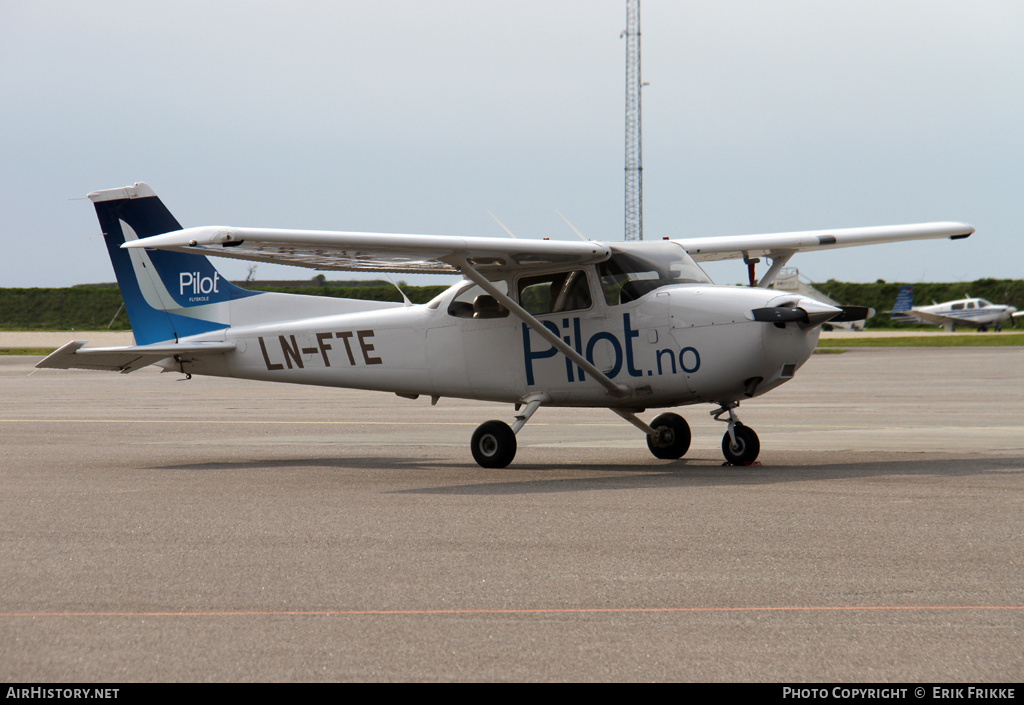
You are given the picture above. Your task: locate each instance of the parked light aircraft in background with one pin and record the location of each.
(963, 312)
(627, 326)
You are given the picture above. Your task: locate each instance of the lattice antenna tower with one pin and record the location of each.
(634, 159)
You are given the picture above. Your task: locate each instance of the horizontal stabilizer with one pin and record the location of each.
(73, 356)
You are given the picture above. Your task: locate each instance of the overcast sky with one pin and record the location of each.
(421, 116)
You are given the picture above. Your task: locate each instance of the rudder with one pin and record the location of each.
(904, 302)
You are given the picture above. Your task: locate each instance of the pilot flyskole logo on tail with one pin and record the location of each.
(195, 288)
(197, 285)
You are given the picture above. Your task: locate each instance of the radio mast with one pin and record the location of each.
(634, 160)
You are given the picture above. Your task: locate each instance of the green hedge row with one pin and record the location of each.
(98, 306)
(882, 295)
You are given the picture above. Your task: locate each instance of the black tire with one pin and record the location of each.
(674, 438)
(493, 444)
(747, 446)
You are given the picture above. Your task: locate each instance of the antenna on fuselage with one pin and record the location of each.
(395, 284)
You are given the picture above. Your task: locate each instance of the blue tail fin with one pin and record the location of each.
(168, 295)
(904, 302)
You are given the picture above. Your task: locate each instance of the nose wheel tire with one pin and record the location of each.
(493, 444)
(673, 438)
(746, 448)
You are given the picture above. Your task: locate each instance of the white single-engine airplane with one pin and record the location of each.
(627, 325)
(979, 313)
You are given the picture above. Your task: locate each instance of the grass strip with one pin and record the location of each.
(969, 340)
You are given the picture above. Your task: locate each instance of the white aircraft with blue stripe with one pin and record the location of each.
(627, 326)
(978, 313)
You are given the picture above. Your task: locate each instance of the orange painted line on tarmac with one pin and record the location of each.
(565, 610)
(249, 422)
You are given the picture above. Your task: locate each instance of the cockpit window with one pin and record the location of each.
(637, 269)
(552, 293)
(474, 302)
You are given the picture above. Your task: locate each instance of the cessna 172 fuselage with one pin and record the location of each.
(626, 326)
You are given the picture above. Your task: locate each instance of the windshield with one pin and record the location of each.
(637, 268)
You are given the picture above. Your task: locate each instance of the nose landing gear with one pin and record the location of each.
(740, 445)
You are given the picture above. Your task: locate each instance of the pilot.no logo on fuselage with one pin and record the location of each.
(666, 360)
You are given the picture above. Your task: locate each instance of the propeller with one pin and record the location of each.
(823, 313)
(854, 313)
(811, 315)
(780, 314)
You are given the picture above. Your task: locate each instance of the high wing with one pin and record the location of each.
(443, 254)
(73, 356)
(780, 245)
(375, 252)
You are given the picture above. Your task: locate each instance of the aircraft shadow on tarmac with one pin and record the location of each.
(527, 478)
(679, 474)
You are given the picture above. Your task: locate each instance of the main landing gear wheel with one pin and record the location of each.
(493, 444)
(673, 437)
(746, 448)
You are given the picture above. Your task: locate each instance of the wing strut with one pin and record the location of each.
(613, 387)
(779, 260)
